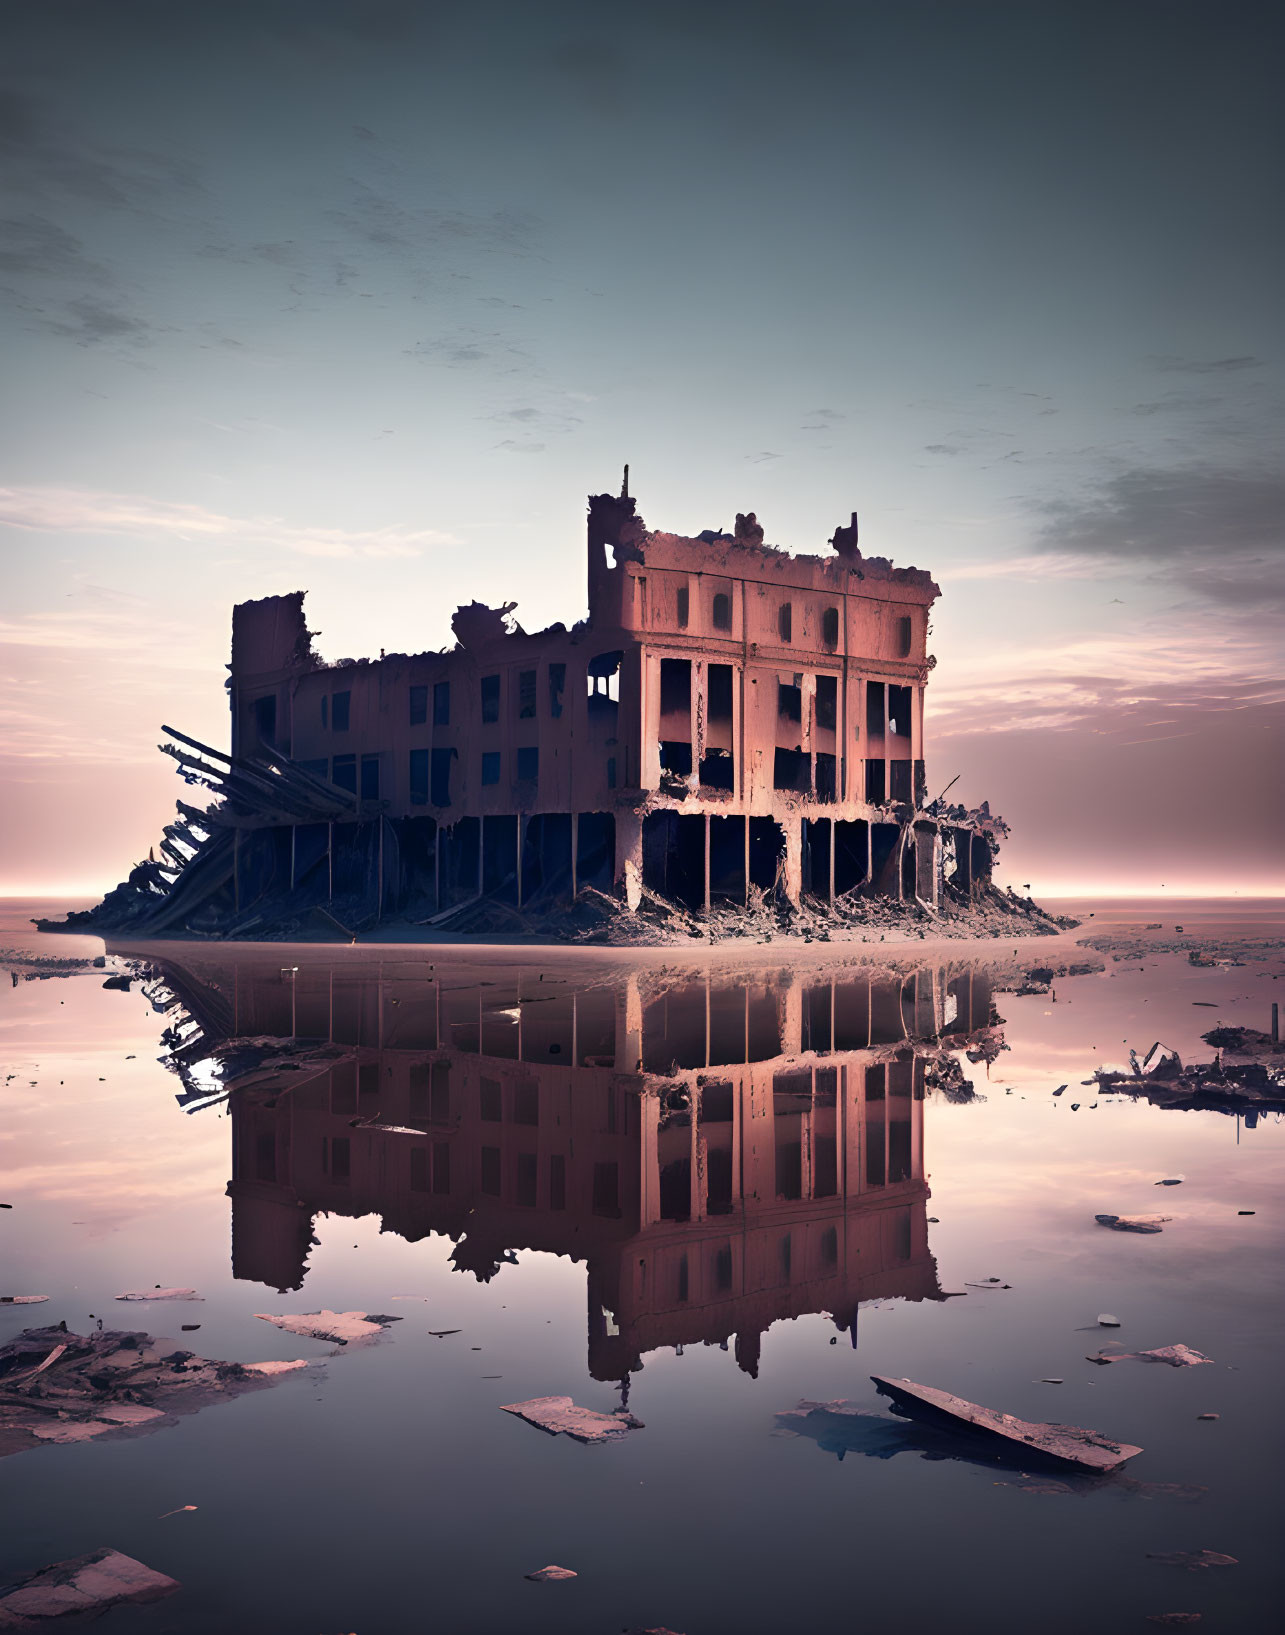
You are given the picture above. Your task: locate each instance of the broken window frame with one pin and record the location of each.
(557, 686)
(347, 766)
(526, 694)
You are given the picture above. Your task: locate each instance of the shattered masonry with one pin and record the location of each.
(729, 720)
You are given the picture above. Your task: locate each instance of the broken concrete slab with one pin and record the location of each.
(23, 1299)
(85, 1584)
(1133, 1223)
(1177, 1356)
(561, 1415)
(161, 1294)
(1064, 1444)
(1194, 1561)
(60, 1387)
(550, 1575)
(341, 1327)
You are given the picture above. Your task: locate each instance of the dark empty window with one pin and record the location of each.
(340, 708)
(675, 687)
(606, 1189)
(489, 1179)
(684, 607)
(265, 719)
(557, 682)
(875, 790)
(440, 781)
(325, 709)
(441, 703)
(344, 772)
(419, 777)
(789, 699)
(785, 621)
(491, 766)
(528, 764)
(491, 1101)
(418, 706)
(490, 698)
(720, 692)
(721, 612)
(526, 694)
(827, 702)
(830, 627)
(419, 1169)
(603, 683)
(827, 776)
(526, 1103)
(901, 781)
(792, 770)
(874, 709)
(899, 710)
(903, 637)
(265, 1157)
(370, 777)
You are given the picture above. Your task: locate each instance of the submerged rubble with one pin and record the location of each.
(57, 1386)
(87, 1584)
(560, 1414)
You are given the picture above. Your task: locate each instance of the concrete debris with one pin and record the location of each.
(1177, 1356)
(560, 1414)
(56, 1386)
(1133, 1223)
(85, 1584)
(1105, 1320)
(1208, 1416)
(23, 1299)
(1063, 1444)
(550, 1575)
(161, 1294)
(339, 1327)
(1193, 1560)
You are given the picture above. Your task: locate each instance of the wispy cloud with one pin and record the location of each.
(90, 511)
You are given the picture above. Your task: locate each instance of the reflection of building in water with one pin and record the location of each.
(720, 1154)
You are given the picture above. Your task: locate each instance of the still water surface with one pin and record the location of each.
(707, 1190)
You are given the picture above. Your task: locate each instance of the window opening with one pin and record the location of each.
(785, 622)
(722, 611)
(684, 606)
(491, 766)
(789, 699)
(526, 695)
(370, 777)
(419, 777)
(418, 706)
(830, 627)
(344, 773)
(528, 764)
(827, 702)
(557, 682)
(441, 703)
(340, 706)
(903, 637)
(719, 699)
(440, 779)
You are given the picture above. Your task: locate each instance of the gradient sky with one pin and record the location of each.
(365, 298)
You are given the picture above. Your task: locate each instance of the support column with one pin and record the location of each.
(793, 858)
(627, 875)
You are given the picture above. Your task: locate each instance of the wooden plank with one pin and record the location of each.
(1069, 1444)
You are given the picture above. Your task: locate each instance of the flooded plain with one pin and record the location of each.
(706, 1189)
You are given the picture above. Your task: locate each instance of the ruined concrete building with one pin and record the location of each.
(729, 719)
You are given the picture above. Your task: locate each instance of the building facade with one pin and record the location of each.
(729, 718)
